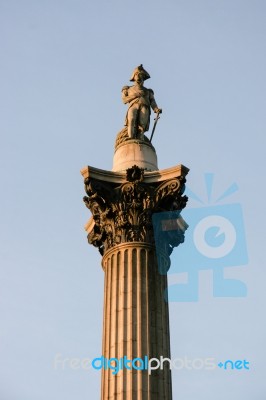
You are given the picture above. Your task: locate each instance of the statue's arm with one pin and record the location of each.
(153, 103)
(126, 98)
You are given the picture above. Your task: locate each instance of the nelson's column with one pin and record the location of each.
(123, 203)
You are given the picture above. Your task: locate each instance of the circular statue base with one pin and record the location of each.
(129, 152)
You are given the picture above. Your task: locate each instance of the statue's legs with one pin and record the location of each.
(138, 121)
(143, 119)
(132, 117)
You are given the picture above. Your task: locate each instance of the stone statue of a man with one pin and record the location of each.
(140, 100)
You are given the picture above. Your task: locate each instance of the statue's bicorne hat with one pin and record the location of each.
(142, 70)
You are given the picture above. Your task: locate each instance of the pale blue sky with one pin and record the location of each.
(63, 64)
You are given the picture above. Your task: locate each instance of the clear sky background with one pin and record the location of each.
(63, 64)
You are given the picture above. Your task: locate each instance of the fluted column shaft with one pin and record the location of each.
(122, 227)
(136, 322)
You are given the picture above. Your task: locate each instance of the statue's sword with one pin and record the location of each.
(154, 126)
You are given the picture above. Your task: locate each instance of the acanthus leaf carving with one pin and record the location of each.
(123, 212)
